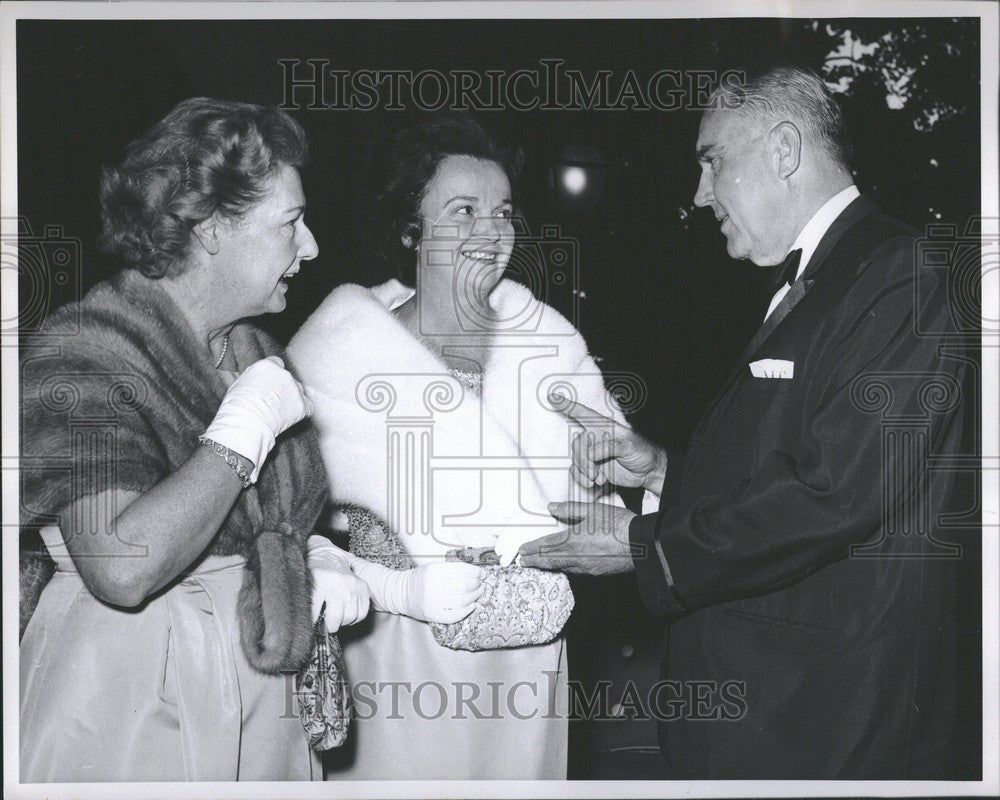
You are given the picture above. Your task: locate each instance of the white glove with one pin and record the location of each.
(262, 402)
(346, 595)
(442, 592)
(511, 538)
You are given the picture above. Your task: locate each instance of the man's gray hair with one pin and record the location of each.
(774, 93)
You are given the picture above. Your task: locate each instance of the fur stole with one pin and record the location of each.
(444, 466)
(115, 391)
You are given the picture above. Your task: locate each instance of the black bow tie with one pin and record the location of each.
(786, 270)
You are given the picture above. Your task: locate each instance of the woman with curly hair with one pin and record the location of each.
(176, 491)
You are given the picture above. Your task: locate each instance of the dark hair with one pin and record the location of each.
(411, 163)
(772, 92)
(205, 157)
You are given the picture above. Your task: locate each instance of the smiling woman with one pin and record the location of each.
(167, 551)
(254, 256)
(468, 357)
(465, 241)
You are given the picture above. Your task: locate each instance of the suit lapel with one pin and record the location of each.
(795, 293)
(855, 211)
(861, 207)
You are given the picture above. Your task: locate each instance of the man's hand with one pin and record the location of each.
(594, 543)
(606, 452)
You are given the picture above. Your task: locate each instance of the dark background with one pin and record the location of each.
(662, 298)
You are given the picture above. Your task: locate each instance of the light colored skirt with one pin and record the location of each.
(163, 693)
(423, 711)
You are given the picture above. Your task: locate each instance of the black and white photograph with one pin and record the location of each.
(500, 400)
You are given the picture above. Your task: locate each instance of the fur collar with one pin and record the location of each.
(385, 403)
(124, 361)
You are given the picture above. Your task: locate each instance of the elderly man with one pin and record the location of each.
(813, 606)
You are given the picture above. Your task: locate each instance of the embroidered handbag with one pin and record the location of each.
(520, 606)
(323, 691)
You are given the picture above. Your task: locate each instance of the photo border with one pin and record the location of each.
(510, 9)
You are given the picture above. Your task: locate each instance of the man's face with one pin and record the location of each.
(739, 183)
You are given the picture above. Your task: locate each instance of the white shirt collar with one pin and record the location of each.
(809, 237)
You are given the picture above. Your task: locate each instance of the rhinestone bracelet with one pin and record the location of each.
(230, 458)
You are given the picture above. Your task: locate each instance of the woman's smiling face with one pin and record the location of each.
(265, 248)
(467, 230)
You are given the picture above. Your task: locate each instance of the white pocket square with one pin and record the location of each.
(772, 368)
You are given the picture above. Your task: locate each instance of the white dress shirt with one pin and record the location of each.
(814, 230)
(808, 239)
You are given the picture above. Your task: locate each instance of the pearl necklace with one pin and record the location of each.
(225, 349)
(471, 380)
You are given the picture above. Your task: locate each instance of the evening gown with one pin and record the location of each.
(162, 693)
(424, 711)
(402, 438)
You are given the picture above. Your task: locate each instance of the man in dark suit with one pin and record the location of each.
(796, 546)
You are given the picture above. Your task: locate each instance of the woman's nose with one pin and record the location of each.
(308, 249)
(490, 227)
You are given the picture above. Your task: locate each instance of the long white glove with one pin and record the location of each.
(262, 402)
(345, 594)
(442, 592)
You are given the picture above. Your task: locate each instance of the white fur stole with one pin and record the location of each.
(401, 436)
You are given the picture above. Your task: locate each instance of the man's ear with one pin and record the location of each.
(207, 234)
(787, 141)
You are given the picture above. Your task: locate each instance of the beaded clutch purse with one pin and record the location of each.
(323, 691)
(520, 606)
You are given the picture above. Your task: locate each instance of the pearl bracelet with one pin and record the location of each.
(230, 458)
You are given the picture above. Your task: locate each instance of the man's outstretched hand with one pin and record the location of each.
(595, 541)
(607, 452)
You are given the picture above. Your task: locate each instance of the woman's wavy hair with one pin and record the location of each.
(205, 157)
(408, 168)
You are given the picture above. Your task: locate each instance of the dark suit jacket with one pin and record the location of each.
(799, 530)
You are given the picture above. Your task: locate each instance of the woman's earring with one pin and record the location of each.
(411, 238)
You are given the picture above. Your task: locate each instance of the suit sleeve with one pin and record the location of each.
(652, 571)
(793, 515)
